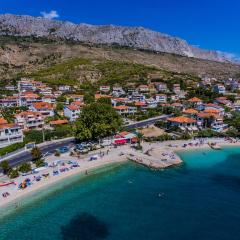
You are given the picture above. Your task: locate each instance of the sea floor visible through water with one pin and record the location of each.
(197, 200)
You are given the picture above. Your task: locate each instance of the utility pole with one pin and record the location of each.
(43, 135)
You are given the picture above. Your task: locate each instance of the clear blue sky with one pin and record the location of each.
(210, 24)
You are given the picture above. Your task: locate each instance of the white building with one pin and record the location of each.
(46, 109)
(29, 120)
(161, 98)
(9, 134)
(219, 88)
(10, 101)
(72, 112)
(105, 88)
(161, 87)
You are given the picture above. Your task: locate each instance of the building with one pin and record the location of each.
(44, 90)
(58, 122)
(10, 133)
(219, 88)
(10, 88)
(161, 87)
(46, 109)
(28, 98)
(190, 112)
(76, 97)
(64, 88)
(143, 88)
(72, 112)
(182, 122)
(224, 101)
(10, 101)
(196, 103)
(151, 103)
(161, 98)
(118, 91)
(29, 120)
(105, 89)
(214, 108)
(137, 97)
(122, 110)
(176, 88)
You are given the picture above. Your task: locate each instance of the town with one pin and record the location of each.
(36, 106)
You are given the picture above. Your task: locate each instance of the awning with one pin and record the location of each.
(120, 141)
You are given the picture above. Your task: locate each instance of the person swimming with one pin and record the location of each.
(161, 195)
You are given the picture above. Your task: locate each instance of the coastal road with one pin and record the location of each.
(45, 149)
(49, 148)
(146, 122)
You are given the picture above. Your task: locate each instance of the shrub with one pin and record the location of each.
(25, 167)
(13, 173)
(40, 163)
(57, 154)
(5, 167)
(11, 148)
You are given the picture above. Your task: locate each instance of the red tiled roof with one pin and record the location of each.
(194, 100)
(140, 104)
(41, 105)
(59, 122)
(182, 119)
(73, 107)
(121, 107)
(8, 125)
(2, 121)
(190, 111)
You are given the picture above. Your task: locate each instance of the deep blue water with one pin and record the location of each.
(198, 200)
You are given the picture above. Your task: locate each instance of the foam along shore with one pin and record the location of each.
(154, 155)
(85, 166)
(159, 159)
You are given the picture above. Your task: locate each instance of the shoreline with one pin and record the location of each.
(113, 158)
(21, 194)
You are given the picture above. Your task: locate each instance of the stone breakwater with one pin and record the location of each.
(155, 158)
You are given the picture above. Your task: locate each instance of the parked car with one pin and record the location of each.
(62, 150)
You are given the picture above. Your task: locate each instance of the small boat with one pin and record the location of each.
(7, 184)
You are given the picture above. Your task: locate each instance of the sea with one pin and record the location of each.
(197, 200)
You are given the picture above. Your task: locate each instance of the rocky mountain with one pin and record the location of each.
(135, 37)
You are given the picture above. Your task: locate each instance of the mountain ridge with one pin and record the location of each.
(134, 37)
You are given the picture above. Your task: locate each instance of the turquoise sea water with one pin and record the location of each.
(198, 200)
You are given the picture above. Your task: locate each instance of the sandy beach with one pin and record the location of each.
(158, 151)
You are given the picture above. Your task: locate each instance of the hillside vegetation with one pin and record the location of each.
(60, 62)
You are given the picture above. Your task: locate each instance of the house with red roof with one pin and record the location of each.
(45, 108)
(58, 122)
(28, 98)
(183, 122)
(72, 112)
(28, 120)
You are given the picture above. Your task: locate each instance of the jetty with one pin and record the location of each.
(154, 158)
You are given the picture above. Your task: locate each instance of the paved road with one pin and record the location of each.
(26, 156)
(50, 149)
(146, 122)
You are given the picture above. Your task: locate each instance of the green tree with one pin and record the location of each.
(59, 107)
(40, 163)
(33, 136)
(89, 98)
(105, 101)
(13, 173)
(61, 99)
(36, 154)
(5, 167)
(97, 120)
(25, 167)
